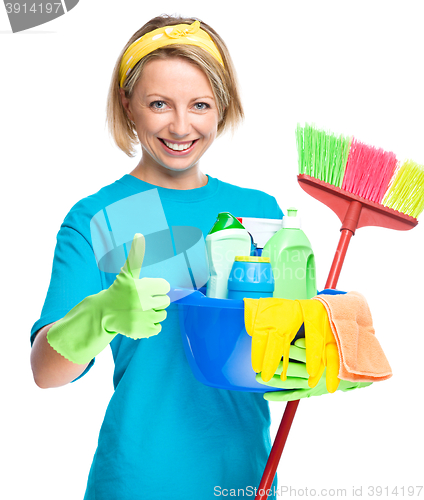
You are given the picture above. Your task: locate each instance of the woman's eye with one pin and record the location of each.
(200, 106)
(158, 104)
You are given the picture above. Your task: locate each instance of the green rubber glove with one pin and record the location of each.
(297, 384)
(130, 306)
(306, 392)
(296, 368)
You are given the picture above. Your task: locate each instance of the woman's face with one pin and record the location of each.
(174, 112)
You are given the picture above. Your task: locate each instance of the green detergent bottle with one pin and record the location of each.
(292, 260)
(227, 239)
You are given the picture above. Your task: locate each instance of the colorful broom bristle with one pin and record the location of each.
(368, 171)
(406, 190)
(322, 155)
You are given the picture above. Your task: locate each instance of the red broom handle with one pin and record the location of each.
(348, 228)
(277, 450)
(336, 266)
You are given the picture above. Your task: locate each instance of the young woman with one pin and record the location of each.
(164, 435)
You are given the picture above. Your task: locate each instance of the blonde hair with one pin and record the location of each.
(222, 80)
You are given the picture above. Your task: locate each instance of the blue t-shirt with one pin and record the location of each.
(164, 434)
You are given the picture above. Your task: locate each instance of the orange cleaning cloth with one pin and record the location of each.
(361, 356)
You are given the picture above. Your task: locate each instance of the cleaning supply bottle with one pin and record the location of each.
(250, 277)
(261, 230)
(227, 239)
(292, 260)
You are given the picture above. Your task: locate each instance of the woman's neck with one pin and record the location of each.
(189, 179)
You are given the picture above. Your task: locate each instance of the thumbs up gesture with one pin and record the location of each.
(131, 306)
(135, 307)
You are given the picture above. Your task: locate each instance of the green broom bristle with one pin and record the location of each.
(406, 190)
(321, 154)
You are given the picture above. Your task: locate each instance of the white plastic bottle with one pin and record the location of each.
(227, 239)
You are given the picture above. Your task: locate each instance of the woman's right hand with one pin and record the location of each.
(135, 307)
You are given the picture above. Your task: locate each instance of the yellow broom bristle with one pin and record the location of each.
(406, 190)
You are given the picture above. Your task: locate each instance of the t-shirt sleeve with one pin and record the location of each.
(75, 275)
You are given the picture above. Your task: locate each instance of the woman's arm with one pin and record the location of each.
(49, 368)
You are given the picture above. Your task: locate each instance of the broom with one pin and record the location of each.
(364, 186)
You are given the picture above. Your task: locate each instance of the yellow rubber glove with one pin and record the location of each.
(321, 346)
(272, 323)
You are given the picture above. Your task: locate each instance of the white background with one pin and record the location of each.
(353, 67)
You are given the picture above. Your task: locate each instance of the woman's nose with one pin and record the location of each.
(180, 124)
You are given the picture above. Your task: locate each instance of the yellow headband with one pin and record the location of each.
(188, 34)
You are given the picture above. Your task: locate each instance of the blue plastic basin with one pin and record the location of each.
(216, 344)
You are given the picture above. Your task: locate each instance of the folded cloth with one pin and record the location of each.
(361, 356)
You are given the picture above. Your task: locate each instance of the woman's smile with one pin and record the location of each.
(178, 148)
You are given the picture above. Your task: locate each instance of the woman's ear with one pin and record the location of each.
(126, 103)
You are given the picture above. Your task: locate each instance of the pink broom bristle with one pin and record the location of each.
(368, 171)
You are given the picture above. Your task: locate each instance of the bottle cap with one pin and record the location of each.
(246, 258)
(225, 220)
(291, 220)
